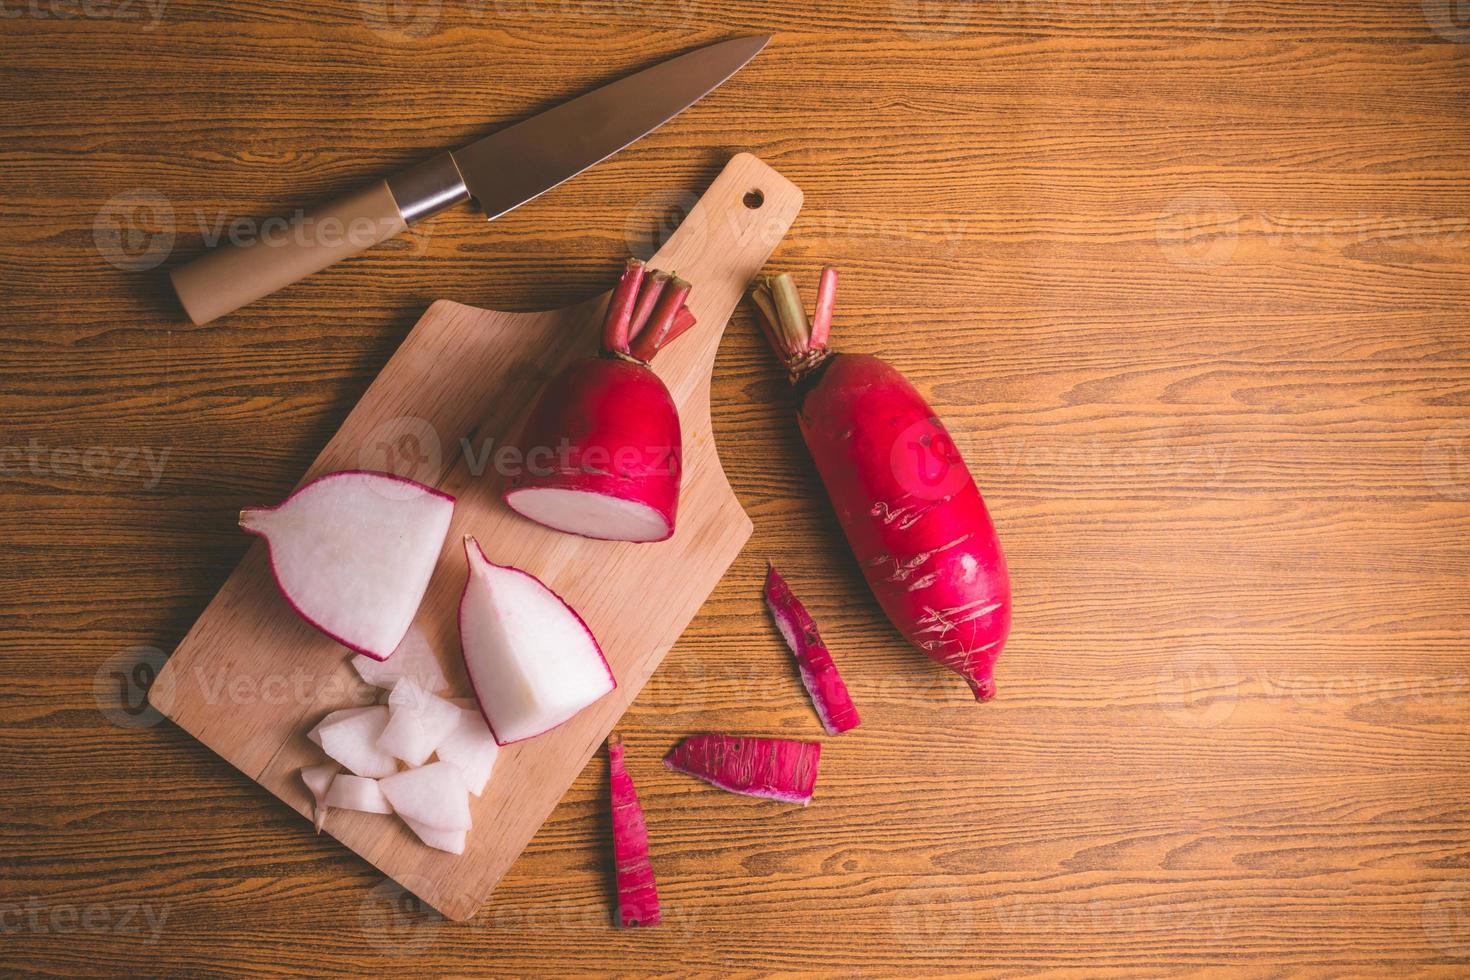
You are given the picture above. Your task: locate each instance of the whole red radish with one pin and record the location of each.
(601, 449)
(903, 495)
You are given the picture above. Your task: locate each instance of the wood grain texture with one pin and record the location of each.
(441, 413)
(1188, 282)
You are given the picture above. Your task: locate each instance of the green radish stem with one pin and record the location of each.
(620, 309)
(800, 343)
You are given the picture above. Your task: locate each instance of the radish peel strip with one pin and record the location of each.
(637, 890)
(818, 673)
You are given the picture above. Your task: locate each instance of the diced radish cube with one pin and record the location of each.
(418, 721)
(353, 741)
(356, 793)
(432, 795)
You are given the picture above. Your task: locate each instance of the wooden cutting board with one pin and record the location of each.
(251, 678)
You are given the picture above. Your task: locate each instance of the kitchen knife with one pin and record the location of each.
(501, 171)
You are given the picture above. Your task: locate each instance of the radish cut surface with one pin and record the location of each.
(418, 721)
(771, 768)
(357, 793)
(637, 890)
(353, 741)
(432, 795)
(413, 658)
(452, 841)
(818, 673)
(590, 514)
(531, 659)
(471, 749)
(352, 553)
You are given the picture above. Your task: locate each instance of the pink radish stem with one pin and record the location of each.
(771, 768)
(637, 890)
(655, 333)
(620, 308)
(653, 287)
(826, 300)
(818, 672)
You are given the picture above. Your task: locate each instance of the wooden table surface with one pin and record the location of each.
(1187, 280)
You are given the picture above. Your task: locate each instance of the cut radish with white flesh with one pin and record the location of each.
(433, 795)
(352, 553)
(531, 659)
(318, 779)
(590, 514)
(418, 721)
(444, 840)
(357, 793)
(316, 733)
(413, 658)
(471, 749)
(353, 741)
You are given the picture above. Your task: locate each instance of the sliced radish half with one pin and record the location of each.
(418, 721)
(531, 659)
(432, 795)
(352, 553)
(445, 840)
(357, 793)
(471, 749)
(413, 658)
(353, 741)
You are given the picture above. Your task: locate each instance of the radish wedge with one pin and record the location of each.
(341, 715)
(444, 840)
(318, 779)
(818, 672)
(352, 553)
(417, 722)
(471, 749)
(772, 768)
(637, 890)
(531, 659)
(413, 658)
(432, 795)
(353, 741)
(350, 792)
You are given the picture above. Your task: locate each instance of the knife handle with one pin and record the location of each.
(225, 279)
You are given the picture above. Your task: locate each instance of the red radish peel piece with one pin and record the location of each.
(828, 692)
(771, 768)
(905, 499)
(352, 553)
(531, 659)
(637, 890)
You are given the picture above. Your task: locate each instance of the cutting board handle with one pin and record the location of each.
(720, 247)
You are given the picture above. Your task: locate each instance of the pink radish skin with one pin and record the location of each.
(352, 553)
(818, 673)
(905, 499)
(770, 768)
(532, 661)
(637, 890)
(602, 448)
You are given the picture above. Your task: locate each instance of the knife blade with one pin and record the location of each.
(499, 172)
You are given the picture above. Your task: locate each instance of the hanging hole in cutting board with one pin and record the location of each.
(753, 199)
